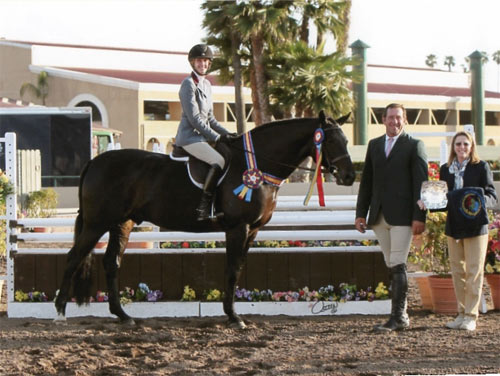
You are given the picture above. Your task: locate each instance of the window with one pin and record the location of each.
(156, 110)
(465, 117)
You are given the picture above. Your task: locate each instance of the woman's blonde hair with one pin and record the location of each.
(474, 157)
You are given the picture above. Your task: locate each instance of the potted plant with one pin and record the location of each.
(422, 258)
(492, 264)
(441, 284)
(41, 204)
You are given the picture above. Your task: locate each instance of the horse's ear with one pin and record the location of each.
(343, 119)
(322, 118)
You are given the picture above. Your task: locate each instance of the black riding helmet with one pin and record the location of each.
(200, 51)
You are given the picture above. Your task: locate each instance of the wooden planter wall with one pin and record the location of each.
(170, 273)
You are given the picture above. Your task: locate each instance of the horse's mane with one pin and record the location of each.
(279, 123)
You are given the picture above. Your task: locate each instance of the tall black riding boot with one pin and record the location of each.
(203, 210)
(399, 318)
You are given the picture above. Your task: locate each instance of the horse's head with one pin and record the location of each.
(335, 155)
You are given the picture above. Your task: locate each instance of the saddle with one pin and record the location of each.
(197, 169)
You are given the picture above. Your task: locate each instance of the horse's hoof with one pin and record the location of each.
(60, 319)
(128, 322)
(238, 325)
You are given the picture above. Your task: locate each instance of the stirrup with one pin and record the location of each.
(201, 214)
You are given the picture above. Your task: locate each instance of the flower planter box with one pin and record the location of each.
(321, 308)
(139, 310)
(202, 309)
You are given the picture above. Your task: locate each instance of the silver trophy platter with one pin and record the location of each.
(433, 194)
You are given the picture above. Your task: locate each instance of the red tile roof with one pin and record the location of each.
(140, 76)
(425, 90)
(176, 79)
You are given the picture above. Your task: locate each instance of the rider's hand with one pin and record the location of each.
(228, 137)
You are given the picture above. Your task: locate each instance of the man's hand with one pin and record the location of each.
(360, 224)
(417, 227)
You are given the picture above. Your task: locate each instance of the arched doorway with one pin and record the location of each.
(99, 112)
(96, 114)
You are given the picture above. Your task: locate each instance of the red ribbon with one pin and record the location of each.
(319, 180)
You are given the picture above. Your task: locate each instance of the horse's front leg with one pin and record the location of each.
(237, 243)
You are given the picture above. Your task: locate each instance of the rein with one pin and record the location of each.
(287, 164)
(271, 160)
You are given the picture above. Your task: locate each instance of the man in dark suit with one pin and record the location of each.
(395, 167)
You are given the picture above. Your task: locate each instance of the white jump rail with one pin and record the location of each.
(284, 226)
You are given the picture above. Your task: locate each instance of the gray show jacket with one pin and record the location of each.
(198, 123)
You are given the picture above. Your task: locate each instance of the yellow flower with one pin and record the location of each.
(213, 295)
(189, 294)
(381, 291)
(20, 296)
(489, 269)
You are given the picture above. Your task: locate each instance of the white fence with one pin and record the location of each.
(289, 216)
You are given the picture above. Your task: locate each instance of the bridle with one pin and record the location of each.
(331, 164)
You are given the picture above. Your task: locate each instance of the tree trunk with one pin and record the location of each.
(256, 115)
(345, 17)
(260, 78)
(239, 103)
(304, 30)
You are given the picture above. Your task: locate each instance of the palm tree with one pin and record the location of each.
(449, 61)
(260, 23)
(431, 60)
(220, 19)
(309, 81)
(40, 90)
(465, 66)
(496, 58)
(264, 28)
(327, 16)
(485, 58)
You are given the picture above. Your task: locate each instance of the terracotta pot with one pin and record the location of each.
(425, 292)
(41, 229)
(494, 283)
(443, 295)
(145, 244)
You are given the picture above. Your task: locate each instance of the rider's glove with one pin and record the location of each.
(228, 137)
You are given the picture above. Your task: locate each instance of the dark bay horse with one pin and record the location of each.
(121, 188)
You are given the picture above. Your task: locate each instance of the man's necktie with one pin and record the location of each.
(388, 147)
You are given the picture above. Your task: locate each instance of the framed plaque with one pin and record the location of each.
(433, 194)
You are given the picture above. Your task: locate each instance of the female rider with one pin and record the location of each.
(198, 127)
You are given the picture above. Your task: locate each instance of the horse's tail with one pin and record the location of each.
(82, 278)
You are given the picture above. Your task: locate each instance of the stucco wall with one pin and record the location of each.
(14, 62)
(121, 104)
